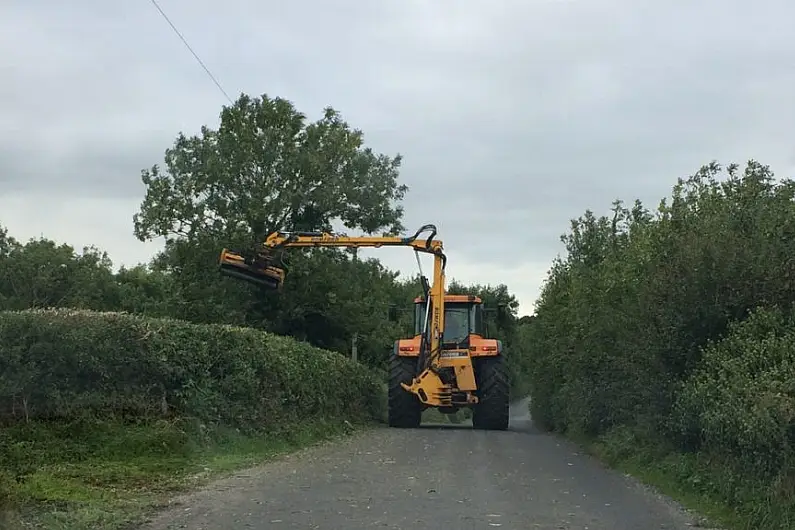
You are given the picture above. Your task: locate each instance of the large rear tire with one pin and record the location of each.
(492, 410)
(405, 409)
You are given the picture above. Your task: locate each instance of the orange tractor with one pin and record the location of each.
(471, 366)
(448, 364)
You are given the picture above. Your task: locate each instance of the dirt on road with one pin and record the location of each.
(430, 478)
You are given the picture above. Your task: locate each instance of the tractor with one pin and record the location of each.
(448, 363)
(474, 366)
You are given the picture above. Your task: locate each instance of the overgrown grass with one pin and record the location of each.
(91, 474)
(714, 487)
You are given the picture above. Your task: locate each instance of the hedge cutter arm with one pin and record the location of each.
(259, 268)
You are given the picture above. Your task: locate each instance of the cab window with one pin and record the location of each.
(460, 320)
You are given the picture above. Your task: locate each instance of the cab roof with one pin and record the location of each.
(453, 298)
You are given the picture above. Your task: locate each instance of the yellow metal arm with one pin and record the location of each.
(260, 269)
(278, 240)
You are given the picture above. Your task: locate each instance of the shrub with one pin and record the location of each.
(741, 400)
(63, 364)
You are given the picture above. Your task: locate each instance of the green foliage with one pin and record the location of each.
(635, 326)
(330, 295)
(197, 293)
(104, 412)
(266, 169)
(41, 273)
(741, 399)
(59, 364)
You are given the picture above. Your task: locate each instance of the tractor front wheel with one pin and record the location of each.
(405, 409)
(492, 410)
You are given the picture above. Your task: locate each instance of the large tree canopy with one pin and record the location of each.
(266, 169)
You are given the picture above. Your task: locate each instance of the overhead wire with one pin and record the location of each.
(190, 49)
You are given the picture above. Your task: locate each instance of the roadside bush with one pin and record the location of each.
(65, 364)
(658, 334)
(624, 318)
(740, 402)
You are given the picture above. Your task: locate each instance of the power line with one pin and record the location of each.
(185, 42)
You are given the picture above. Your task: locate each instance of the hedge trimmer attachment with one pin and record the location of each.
(257, 268)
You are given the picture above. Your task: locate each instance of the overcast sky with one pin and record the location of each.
(512, 116)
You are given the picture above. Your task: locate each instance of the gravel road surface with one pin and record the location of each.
(435, 477)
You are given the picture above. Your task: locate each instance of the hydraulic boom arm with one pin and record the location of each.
(259, 269)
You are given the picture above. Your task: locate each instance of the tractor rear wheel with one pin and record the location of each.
(492, 410)
(405, 409)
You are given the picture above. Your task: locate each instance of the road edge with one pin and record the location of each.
(704, 512)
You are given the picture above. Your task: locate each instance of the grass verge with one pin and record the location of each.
(725, 496)
(91, 474)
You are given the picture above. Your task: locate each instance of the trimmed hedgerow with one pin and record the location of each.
(62, 364)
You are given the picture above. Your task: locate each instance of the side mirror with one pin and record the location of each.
(393, 313)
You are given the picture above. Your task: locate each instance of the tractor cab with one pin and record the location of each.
(464, 333)
(463, 317)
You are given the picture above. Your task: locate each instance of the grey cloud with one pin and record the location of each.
(512, 116)
(84, 170)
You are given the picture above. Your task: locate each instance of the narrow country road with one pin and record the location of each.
(430, 478)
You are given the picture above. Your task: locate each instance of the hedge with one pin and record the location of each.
(64, 364)
(740, 402)
(665, 335)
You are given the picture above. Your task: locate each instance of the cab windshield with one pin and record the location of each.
(456, 324)
(457, 321)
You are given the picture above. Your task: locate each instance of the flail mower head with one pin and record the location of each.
(258, 270)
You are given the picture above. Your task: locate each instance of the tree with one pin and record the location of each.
(266, 169)
(7, 243)
(42, 273)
